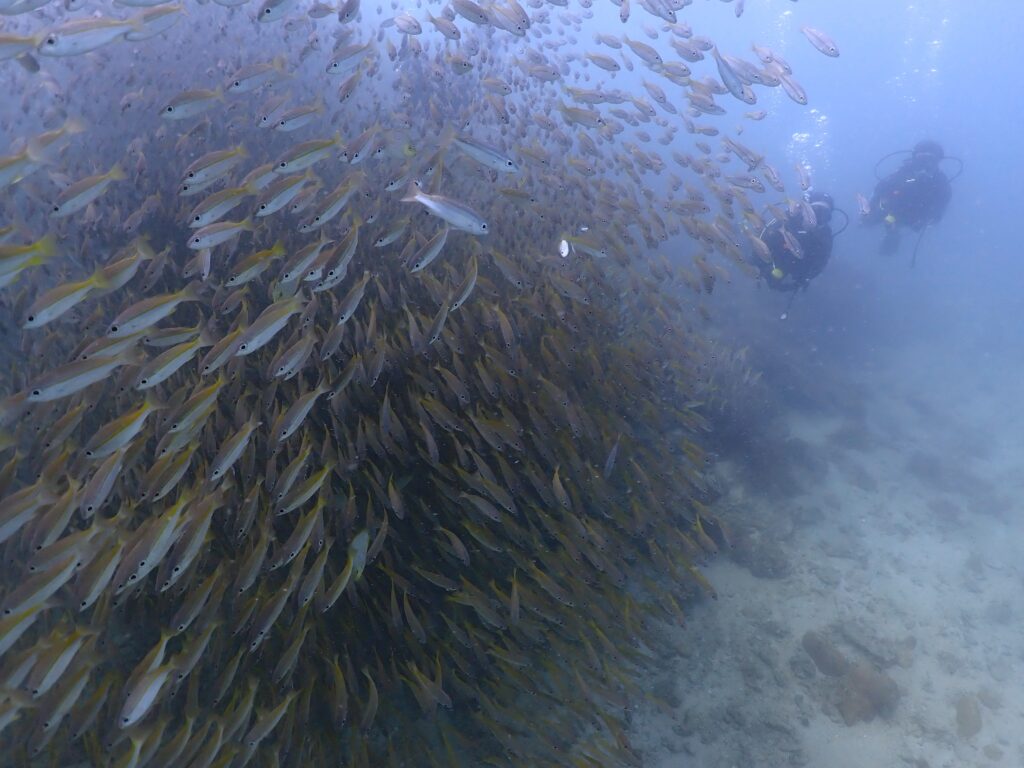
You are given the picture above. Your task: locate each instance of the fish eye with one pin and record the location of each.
(169, 108)
(51, 40)
(56, 208)
(113, 329)
(266, 11)
(237, 84)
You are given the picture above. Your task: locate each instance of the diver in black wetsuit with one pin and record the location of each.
(915, 195)
(799, 248)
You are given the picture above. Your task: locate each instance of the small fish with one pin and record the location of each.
(274, 10)
(219, 232)
(458, 215)
(84, 35)
(407, 24)
(470, 11)
(117, 434)
(141, 697)
(66, 380)
(604, 61)
(214, 165)
(256, 75)
(446, 27)
(164, 365)
(299, 117)
(190, 104)
(732, 80)
(821, 41)
(306, 154)
(269, 323)
(147, 312)
(430, 251)
(334, 202)
(465, 288)
(232, 448)
(216, 206)
(793, 89)
(59, 300)
(486, 155)
(290, 420)
(81, 193)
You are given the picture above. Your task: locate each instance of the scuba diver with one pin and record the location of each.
(800, 244)
(915, 195)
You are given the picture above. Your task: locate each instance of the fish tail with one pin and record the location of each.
(146, 252)
(98, 279)
(36, 153)
(207, 337)
(46, 248)
(448, 136)
(192, 291)
(74, 125)
(153, 402)
(412, 192)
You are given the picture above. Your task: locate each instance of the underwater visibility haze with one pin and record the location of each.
(510, 383)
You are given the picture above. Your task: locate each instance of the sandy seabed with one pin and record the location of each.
(870, 614)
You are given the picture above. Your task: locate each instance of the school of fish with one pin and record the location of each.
(347, 414)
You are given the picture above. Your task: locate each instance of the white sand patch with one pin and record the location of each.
(907, 554)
